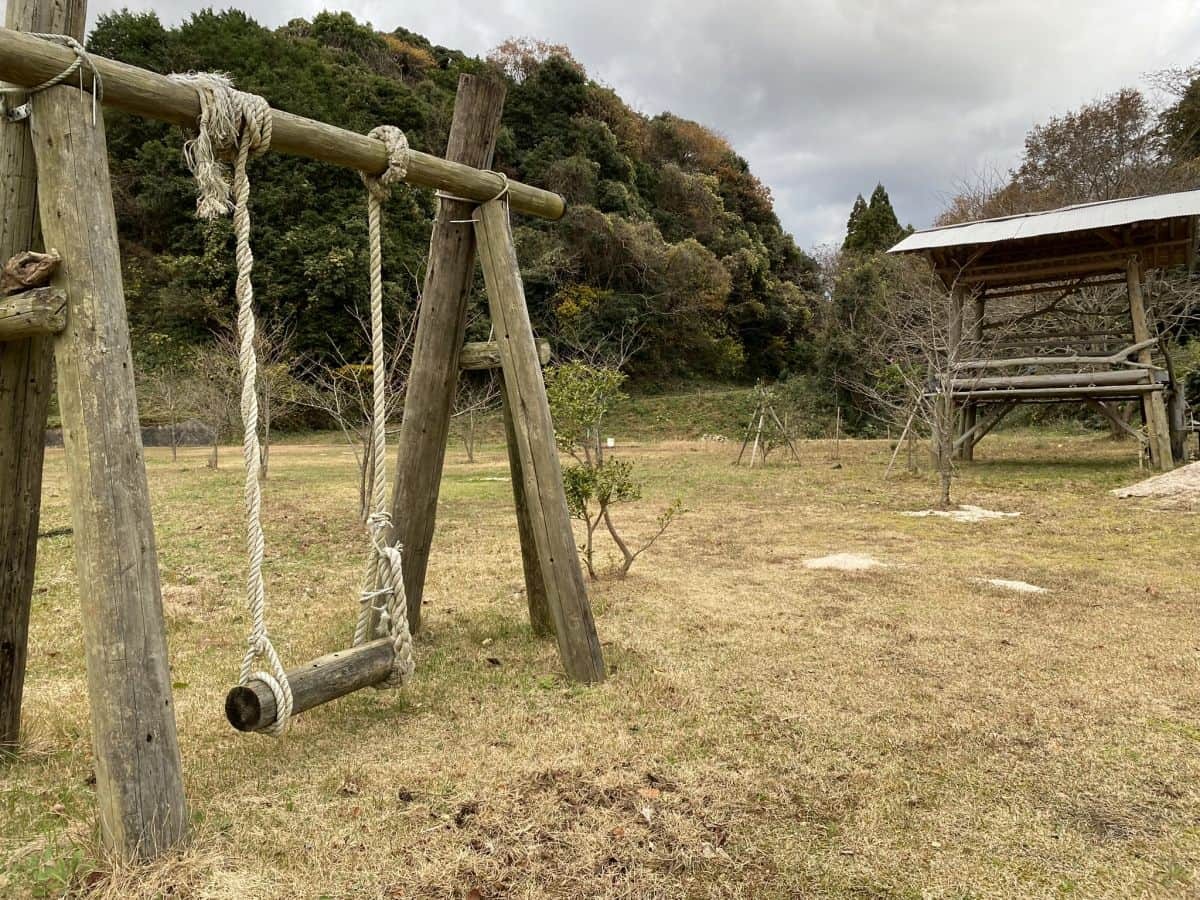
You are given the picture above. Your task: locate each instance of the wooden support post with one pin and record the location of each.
(429, 401)
(541, 473)
(966, 451)
(540, 618)
(980, 429)
(26, 368)
(251, 706)
(945, 419)
(139, 779)
(1153, 407)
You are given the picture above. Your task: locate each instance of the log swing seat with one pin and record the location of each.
(76, 314)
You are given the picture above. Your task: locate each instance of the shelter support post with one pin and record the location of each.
(26, 369)
(139, 780)
(966, 450)
(945, 424)
(541, 473)
(1153, 407)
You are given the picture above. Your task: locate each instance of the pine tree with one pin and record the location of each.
(872, 227)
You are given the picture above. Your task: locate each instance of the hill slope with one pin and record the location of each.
(669, 235)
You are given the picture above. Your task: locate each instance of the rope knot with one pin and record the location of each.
(396, 143)
(232, 122)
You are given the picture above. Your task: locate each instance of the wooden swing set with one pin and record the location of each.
(55, 188)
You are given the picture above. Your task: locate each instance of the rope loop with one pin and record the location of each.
(379, 186)
(78, 64)
(503, 192)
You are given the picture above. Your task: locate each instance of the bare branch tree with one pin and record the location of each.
(475, 396)
(278, 392)
(341, 388)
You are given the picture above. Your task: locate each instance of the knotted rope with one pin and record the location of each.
(385, 577)
(77, 64)
(237, 123)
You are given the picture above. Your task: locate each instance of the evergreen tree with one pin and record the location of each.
(872, 227)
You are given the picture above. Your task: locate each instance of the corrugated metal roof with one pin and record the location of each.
(1083, 217)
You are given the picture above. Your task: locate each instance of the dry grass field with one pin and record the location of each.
(767, 730)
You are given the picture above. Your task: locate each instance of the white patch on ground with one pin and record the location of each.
(965, 513)
(1021, 587)
(1181, 486)
(845, 562)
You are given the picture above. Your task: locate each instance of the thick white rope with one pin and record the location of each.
(235, 122)
(76, 65)
(385, 577)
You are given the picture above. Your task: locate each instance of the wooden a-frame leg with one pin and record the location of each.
(26, 367)
(449, 275)
(533, 429)
(139, 779)
(540, 618)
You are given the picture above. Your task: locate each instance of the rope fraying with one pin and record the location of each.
(78, 64)
(232, 122)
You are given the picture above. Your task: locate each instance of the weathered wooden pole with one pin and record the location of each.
(33, 313)
(139, 783)
(540, 618)
(541, 473)
(27, 61)
(478, 355)
(1153, 407)
(429, 401)
(944, 434)
(26, 366)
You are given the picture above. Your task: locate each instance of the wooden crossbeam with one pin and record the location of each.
(482, 355)
(1108, 392)
(1121, 357)
(27, 61)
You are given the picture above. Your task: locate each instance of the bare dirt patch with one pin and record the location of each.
(845, 562)
(1180, 487)
(966, 513)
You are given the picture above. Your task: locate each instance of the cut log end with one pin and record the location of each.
(243, 709)
(251, 706)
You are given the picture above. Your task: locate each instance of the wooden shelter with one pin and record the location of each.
(1058, 313)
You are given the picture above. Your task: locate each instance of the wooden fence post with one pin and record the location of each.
(541, 473)
(429, 402)
(139, 781)
(25, 384)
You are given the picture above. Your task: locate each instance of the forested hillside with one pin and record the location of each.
(668, 237)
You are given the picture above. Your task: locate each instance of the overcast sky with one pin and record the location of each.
(825, 97)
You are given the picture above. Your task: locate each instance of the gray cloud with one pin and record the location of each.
(827, 97)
